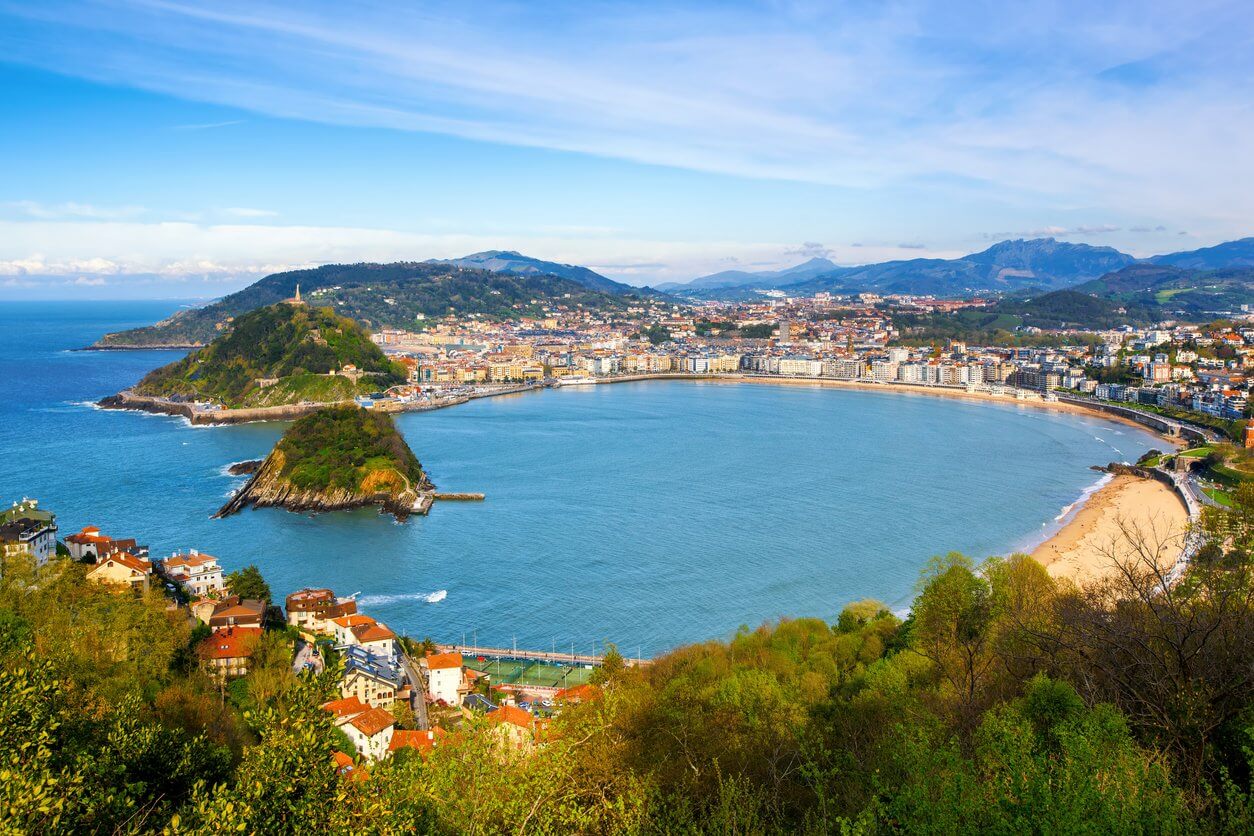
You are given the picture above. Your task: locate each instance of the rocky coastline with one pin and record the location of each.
(268, 489)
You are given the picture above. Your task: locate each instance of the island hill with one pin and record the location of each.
(338, 458)
(283, 355)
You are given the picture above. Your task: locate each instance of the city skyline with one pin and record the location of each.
(166, 150)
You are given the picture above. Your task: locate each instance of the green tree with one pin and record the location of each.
(248, 583)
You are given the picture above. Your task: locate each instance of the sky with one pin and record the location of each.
(171, 149)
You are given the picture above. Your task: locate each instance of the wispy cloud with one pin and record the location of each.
(1035, 100)
(207, 126)
(35, 209)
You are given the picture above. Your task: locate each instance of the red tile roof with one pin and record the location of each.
(578, 693)
(443, 661)
(347, 707)
(373, 721)
(511, 714)
(421, 740)
(232, 643)
(372, 633)
(351, 621)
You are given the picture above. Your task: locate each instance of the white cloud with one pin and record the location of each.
(72, 209)
(177, 250)
(90, 281)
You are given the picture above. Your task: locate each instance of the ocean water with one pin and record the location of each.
(648, 514)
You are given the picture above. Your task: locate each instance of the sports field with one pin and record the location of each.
(528, 673)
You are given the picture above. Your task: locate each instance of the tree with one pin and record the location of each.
(952, 619)
(248, 583)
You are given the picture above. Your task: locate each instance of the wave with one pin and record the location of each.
(422, 597)
(1084, 496)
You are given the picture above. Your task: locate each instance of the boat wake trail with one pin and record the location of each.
(423, 597)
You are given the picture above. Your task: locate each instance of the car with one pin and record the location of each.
(546, 703)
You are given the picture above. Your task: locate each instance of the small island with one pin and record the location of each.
(338, 458)
(277, 362)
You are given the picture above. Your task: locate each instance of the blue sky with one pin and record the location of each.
(167, 148)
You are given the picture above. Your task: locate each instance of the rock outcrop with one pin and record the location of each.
(337, 459)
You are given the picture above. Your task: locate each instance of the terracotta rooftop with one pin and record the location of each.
(232, 643)
(372, 633)
(443, 661)
(347, 707)
(373, 721)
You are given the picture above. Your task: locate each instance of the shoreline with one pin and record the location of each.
(1094, 526)
(1036, 401)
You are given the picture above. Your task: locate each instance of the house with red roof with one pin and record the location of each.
(422, 741)
(446, 680)
(227, 653)
(370, 729)
(121, 569)
(89, 545)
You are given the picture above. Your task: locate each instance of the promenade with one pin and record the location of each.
(555, 657)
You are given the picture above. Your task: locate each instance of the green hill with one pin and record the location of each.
(381, 296)
(1177, 292)
(1007, 322)
(280, 354)
(337, 458)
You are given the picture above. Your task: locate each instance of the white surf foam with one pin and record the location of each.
(421, 597)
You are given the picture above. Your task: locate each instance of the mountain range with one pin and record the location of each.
(517, 264)
(763, 279)
(1041, 263)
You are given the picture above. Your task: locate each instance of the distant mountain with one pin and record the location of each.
(1005, 266)
(517, 264)
(1229, 254)
(1176, 291)
(1008, 265)
(379, 296)
(763, 279)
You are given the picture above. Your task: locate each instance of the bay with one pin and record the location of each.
(649, 514)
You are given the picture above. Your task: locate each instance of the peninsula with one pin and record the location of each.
(281, 355)
(338, 458)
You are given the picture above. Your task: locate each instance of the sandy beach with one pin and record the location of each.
(1034, 402)
(1081, 551)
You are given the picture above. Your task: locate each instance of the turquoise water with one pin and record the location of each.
(649, 514)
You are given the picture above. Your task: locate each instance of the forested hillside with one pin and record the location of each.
(295, 346)
(379, 296)
(1006, 702)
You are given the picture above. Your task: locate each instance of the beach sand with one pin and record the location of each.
(1081, 550)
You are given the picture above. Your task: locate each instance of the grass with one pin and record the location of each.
(1221, 497)
(1196, 452)
(1164, 296)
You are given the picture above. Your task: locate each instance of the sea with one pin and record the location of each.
(646, 514)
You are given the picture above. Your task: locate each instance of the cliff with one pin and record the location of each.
(335, 459)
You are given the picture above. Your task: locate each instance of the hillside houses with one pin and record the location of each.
(123, 569)
(199, 574)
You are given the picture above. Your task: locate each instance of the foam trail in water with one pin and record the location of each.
(424, 597)
(1084, 496)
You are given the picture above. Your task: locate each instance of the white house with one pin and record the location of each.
(444, 677)
(198, 573)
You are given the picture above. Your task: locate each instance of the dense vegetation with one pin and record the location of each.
(348, 448)
(1006, 702)
(296, 344)
(1165, 292)
(381, 296)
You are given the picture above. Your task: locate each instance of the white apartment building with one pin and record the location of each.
(197, 573)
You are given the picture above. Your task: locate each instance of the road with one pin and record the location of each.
(418, 699)
(306, 654)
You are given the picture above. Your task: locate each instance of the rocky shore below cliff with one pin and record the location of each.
(269, 489)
